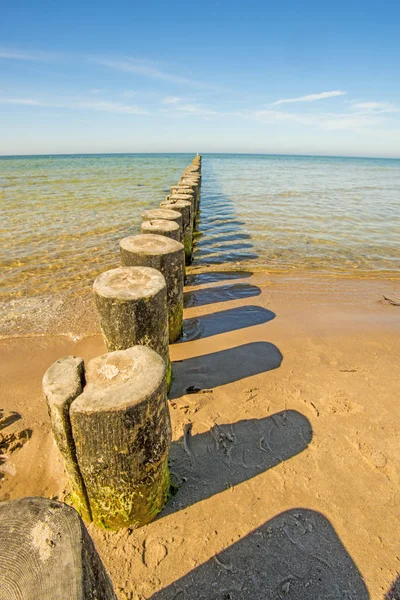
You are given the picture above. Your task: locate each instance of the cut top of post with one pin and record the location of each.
(162, 224)
(63, 380)
(130, 283)
(150, 244)
(162, 213)
(120, 379)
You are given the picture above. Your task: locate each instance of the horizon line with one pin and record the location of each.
(306, 155)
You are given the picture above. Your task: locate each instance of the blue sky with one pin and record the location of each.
(213, 76)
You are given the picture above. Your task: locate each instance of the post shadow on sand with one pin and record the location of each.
(224, 366)
(209, 463)
(224, 321)
(216, 276)
(394, 592)
(220, 293)
(297, 555)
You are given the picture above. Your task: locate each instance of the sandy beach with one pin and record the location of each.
(285, 441)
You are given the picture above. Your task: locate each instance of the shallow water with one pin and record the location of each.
(62, 216)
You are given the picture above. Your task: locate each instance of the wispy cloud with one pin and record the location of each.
(375, 107)
(177, 106)
(22, 55)
(172, 100)
(310, 97)
(100, 105)
(330, 121)
(147, 69)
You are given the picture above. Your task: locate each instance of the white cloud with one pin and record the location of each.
(172, 100)
(146, 69)
(310, 97)
(330, 121)
(100, 105)
(375, 107)
(18, 55)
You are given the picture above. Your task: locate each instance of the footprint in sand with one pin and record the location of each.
(340, 404)
(154, 552)
(375, 458)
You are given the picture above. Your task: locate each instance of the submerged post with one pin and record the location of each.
(185, 208)
(167, 256)
(165, 214)
(163, 227)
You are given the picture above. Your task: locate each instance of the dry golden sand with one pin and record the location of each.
(289, 475)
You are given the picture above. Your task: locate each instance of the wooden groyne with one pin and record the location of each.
(110, 418)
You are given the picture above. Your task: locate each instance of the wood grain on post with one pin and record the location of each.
(163, 227)
(185, 208)
(132, 302)
(62, 383)
(165, 214)
(122, 433)
(168, 257)
(47, 554)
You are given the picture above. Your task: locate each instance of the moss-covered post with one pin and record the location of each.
(163, 227)
(185, 208)
(132, 303)
(122, 433)
(47, 554)
(62, 383)
(165, 214)
(166, 255)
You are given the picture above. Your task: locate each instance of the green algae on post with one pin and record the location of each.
(62, 384)
(122, 433)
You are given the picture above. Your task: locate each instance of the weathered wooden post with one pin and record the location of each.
(122, 433)
(187, 198)
(163, 227)
(132, 303)
(62, 384)
(177, 190)
(166, 255)
(194, 185)
(185, 208)
(47, 554)
(165, 214)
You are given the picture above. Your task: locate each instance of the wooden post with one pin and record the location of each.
(163, 227)
(177, 190)
(122, 433)
(165, 214)
(62, 383)
(132, 302)
(46, 553)
(166, 255)
(186, 197)
(185, 208)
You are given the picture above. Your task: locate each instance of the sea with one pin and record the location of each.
(62, 216)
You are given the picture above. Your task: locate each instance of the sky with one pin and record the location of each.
(255, 76)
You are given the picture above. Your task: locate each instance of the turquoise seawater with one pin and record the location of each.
(62, 216)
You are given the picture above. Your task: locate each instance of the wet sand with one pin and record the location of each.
(288, 474)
